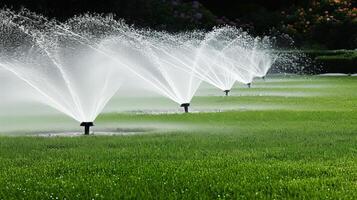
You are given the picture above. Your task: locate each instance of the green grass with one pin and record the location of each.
(306, 149)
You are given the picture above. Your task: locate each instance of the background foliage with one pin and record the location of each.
(316, 24)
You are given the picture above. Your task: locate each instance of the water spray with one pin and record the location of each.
(51, 45)
(87, 126)
(185, 106)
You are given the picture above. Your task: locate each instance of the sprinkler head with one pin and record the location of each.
(249, 85)
(263, 78)
(227, 92)
(87, 126)
(185, 105)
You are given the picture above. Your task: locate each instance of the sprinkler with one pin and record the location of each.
(227, 92)
(263, 78)
(185, 105)
(87, 126)
(249, 85)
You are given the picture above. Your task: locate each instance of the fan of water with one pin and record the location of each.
(228, 54)
(69, 75)
(163, 61)
(218, 63)
(77, 66)
(261, 56)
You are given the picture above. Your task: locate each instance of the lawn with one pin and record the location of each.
(284, 138)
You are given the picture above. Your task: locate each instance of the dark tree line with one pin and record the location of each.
(322, 24)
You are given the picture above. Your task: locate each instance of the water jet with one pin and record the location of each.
(185, 106)
(87, 126)
(60, 65)
(163, 62)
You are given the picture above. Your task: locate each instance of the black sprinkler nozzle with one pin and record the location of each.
(227, 92)
(185, 105)
(87, 126)
(249, 85)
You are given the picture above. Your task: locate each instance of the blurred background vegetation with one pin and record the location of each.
(316, 26)
(313, 24)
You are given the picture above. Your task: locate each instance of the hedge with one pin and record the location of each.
(321, 61)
